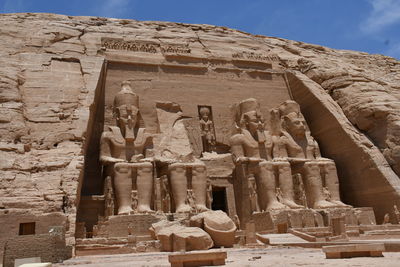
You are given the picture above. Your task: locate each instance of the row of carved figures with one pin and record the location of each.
(260, 156)
(270, 159)
(165, 206)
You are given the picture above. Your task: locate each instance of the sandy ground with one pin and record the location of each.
(271, 256)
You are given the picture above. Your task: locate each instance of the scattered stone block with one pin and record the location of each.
(354, 250)
(251, 233)
(196, 258)
(218, 225)
(295, 219)
(282, 228)
(176, 237)
(365, 216)
(303, 235)
(338, 226)
(23, 261)
(263, 221)
(43, 264)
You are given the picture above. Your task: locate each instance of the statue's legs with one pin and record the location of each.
(332, 182)
(313, 184)
(144, 184)
(199, 185)
(286, 184)
(265, 179)
(177, 173)
(123, 187)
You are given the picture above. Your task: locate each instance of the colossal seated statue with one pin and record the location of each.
(123, 152)
(294, 143)
(252, 148)
(173, 150)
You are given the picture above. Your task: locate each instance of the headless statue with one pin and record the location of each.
(123, 150)
(174, 150)
(295, 144)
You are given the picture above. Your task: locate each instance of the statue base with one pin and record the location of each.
(269, 221)
(124, 225)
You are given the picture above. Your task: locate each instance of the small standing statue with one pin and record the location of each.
(207, 130)
(134, 200)
(209, 199)
(253, 195)
(191, 200)
(165, 193)
(397, 213)
(108, 197)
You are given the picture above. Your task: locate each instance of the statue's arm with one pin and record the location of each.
(269, 145)
(280, 147)
(148, 146)
(317, 151)
(105, 152)
(237, 149)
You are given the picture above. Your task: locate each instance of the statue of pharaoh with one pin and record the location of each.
(207, 130)
(123, 153)
(295, 144)
(174, 150)
(252, 149)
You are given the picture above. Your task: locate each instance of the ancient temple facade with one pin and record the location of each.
(160, 121)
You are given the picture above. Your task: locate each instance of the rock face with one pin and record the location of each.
(59, 75)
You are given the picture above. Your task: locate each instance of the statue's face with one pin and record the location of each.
(252, 121)
(127, 117)
(295, 124)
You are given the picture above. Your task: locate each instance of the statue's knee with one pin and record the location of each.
(198, 169)
(121, 168)
(177, 168)
(145, 169)
(282, 166)
(330, 166)
(266, 165)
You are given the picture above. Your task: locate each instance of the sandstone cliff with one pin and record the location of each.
(51, 66)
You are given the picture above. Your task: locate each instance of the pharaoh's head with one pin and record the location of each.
(292, 119)
(126, 110)
(205, 113)
(294, 124)
(250, 116)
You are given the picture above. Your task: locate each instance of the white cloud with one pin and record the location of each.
(13, 6)
(114, 8)
(384, 13)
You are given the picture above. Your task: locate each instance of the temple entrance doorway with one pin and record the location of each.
(219, 199)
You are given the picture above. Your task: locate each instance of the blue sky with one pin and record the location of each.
(371, 26)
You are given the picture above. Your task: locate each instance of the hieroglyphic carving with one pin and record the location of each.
(175, 49)
(120, 44)
(142, 46)
(255, 56)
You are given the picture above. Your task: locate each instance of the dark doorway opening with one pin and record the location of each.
(27, 228)
(219, 199)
